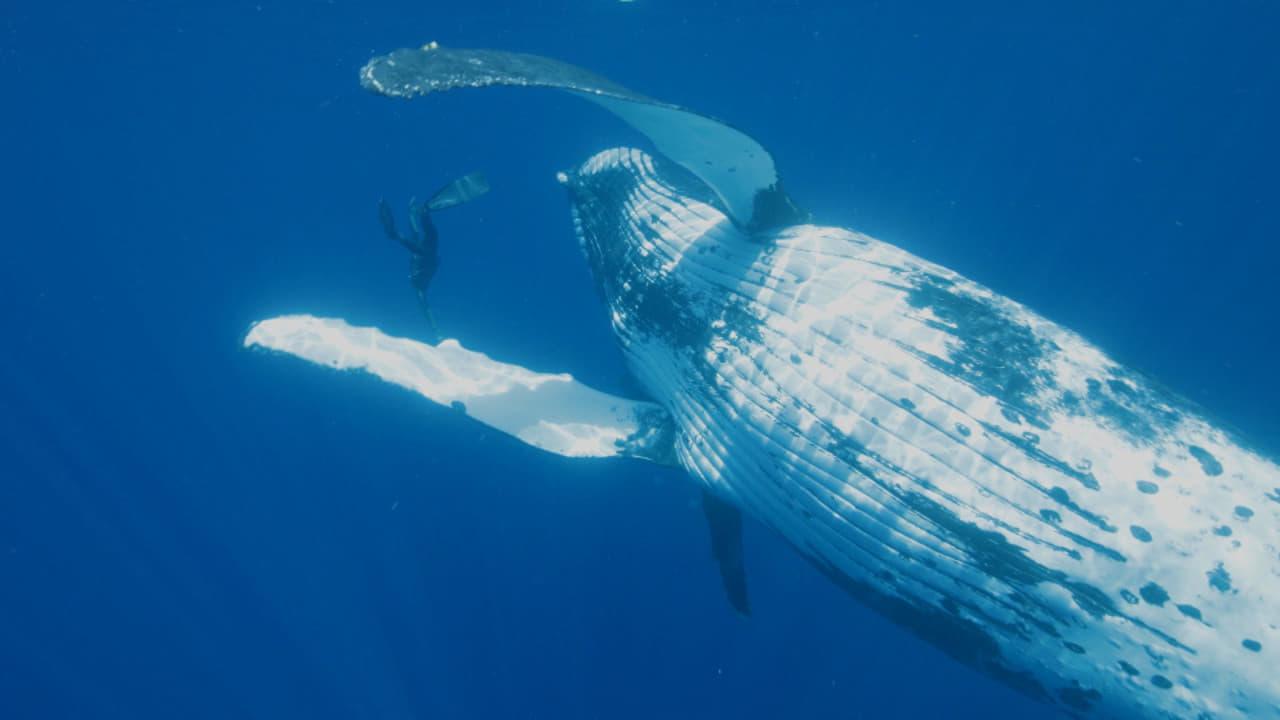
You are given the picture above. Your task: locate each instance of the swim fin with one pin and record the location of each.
(464, 189)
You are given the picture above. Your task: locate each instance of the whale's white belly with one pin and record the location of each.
(974, 471)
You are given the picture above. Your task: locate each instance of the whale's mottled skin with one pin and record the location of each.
(972, 470)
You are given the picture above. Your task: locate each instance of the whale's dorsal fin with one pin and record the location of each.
(725, 522)
(553, 412)
(732, 163)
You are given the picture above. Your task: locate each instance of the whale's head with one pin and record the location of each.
(660, 246)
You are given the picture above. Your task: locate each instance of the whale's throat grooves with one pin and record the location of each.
(968, 468)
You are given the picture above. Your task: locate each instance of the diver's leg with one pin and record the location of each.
(388, 220)
(431, 319)
(420, 273)
(428, 236)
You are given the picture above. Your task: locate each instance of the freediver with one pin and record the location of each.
(423, 243)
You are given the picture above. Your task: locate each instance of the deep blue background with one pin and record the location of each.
(191, 530)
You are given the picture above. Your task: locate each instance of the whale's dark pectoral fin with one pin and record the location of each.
(725, 523)
(736, 167)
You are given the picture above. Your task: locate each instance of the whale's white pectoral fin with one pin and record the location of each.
(553, 412)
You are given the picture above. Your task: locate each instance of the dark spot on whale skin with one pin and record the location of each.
(1146, 487)
(993, 352)
(1063, 498)
(1219, 579)
(739, 317)
(1191, 611)
(1073, 647)
(1138, 414)
(992, 553)
(1004, 561)
(960, 638)
(1092, 600)
(1252, 645)
(1070, 402)
(1033, 451)
(654, 438)
(1222, 531)
(1244, 512)
(655, 303)
(1140, 533)
(963, 429)
(1156, 657)
(1079, 698)
(1099, 548)
(904, 402)
(1208, 463)
(1129, 669)
(1161, 682)
(1274, 497)
(1160, 472)
(1129, 597)
(1051, 516)
(1154, 594)
(795, 359)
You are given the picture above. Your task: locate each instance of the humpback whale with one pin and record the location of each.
(973, 471)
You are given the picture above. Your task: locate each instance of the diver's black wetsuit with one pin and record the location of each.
(423, 243)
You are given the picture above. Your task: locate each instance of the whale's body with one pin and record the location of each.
(973, 471)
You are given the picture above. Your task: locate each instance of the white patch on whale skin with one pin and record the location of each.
(553, 412)
(445, 373)
(843, 409)
(574, 439)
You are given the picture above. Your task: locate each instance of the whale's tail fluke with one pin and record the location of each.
(733, 164)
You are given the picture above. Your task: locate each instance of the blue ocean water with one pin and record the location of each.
(191, 530)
